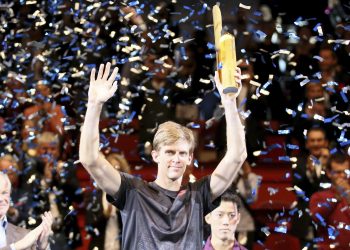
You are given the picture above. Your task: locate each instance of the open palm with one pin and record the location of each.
(102, 87)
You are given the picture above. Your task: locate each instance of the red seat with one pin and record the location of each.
(274, 196)
(278, 241)
(276, 172)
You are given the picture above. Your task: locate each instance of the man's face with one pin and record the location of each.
(223, 221)
(48, 152)
(324, 156)
(4, 196)
(315, 141)
(329, 61)
(172, 160)
(314, 91)
(339, 172)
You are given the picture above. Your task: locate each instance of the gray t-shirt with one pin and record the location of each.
(156, 218)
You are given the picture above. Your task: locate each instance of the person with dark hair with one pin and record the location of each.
(56, 188)
(103, 220)
(223, 222)
(330, 208)
(162, 214)
(307, 177)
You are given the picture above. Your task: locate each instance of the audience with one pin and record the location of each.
(329, 208)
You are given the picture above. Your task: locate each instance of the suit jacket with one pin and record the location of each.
(14, 234)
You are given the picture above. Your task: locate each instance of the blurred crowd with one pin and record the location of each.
(296, 74)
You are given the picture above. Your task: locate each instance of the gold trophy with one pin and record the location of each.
(225, 54)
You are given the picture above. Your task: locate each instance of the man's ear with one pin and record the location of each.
(238, 217)
(155, 155)
(208, 218)
(190, 158)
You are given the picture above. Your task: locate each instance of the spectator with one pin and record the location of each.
(20, 196)
(329, 208)
(223, 222)
(307, 176)
(103, 219)
(247, 190)
(13, 237)
(56, 189)
(313, 112)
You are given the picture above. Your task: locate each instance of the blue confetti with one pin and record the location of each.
(210, 45)
(292, 146)
(320, 219)
(281, 229)
(133, 3)
(344, 97)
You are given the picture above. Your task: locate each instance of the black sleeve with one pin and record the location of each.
(128, 183)
(203, 187)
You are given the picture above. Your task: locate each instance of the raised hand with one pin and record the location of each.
(29, 239)
(102, 87)
(228, 98)
(43, 240)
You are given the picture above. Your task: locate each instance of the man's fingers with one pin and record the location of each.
(114, 75)
(114, 88)
(92, 75)
(106, 71)
(100, 71)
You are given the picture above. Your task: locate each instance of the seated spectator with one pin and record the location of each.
(56, 188)
(102, 218)
(13, 237)
(46, 114)
(313, 112)
(223, 222)
(307, 176)
(247, 189)
(330, 208)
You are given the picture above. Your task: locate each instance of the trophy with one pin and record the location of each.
(225, 54)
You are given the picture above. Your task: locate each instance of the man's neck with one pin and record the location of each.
(222, 244)
(168, 184)
(2, 217)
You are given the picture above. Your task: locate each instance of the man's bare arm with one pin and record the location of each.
(101, 89)
(236, 153)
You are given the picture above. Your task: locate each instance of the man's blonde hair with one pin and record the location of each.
(48, 137)
(6, 178)
(170, 132)
(10, 159)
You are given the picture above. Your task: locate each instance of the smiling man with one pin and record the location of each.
(223, 222)
(162, 214)
(17, 238)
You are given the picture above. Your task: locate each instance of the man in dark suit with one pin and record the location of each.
(17, 238)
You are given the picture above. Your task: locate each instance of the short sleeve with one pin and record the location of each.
(203, 187)
(128, 184)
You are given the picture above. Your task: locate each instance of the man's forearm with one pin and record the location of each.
(89, 139)
(236, 147)
(236, 153)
